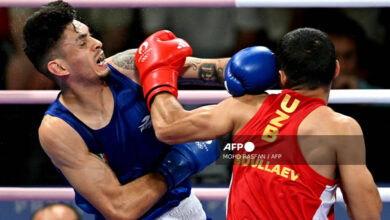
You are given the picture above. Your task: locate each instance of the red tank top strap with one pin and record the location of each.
(306, 106)
(264, 108)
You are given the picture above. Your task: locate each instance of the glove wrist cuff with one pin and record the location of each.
(175, 168)
(159, 80)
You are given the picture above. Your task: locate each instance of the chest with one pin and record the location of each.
(128, 140)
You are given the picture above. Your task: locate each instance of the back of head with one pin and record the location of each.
(56, 211)
(307, 56)
(43, 30)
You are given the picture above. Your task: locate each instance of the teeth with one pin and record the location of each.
(101, 59)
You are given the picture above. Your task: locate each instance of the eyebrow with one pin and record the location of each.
(80, 37)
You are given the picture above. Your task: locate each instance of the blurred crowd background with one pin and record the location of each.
(361, 37)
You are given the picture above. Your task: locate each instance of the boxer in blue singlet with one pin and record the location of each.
(98, 131)
(127, 143)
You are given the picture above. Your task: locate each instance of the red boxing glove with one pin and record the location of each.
(158, 60)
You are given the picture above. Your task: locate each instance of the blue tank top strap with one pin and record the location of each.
(120, 78)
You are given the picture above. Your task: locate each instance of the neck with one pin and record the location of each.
(87, 97)
(321, 92)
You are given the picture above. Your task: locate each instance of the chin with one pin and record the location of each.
(105, 75)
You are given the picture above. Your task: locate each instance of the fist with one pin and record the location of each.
(251, 71)
(159, 60)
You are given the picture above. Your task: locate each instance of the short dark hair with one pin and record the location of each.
(43, 31)
(51, 205)
(308, 58)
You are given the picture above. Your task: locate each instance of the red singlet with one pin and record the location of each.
(274, 181)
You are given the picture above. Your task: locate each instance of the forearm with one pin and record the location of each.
(206, 70)
(137, 197)
(173, 124)
(113, 200)
(366, 213)
(362, 196)
(367, 209)
(99, 185)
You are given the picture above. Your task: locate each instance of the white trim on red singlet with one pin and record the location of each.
(328, 198)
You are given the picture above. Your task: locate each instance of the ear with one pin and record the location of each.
(283, 78)
(57, 68)
(337, 70)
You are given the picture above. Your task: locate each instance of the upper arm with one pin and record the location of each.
(88, 174)
(357, 184)
(124, 63)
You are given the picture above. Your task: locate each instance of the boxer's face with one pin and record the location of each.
(83, 53)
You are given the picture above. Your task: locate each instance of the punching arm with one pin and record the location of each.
(173, 124)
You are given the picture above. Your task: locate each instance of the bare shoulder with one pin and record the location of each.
(60, 141)
(338, 137)
(243, 109)
(325, 121)
(346, 124)
(124, 62)
(50, 129)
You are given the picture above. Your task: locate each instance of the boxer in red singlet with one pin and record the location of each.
(304, 149)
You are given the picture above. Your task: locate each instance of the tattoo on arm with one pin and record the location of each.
(125, 59)
(208, 72)
(221, 74)
(213, 71)
(193, 63)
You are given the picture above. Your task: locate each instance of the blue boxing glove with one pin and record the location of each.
(251, 71)
(187, 159)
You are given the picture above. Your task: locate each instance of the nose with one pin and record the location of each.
(98, 44)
